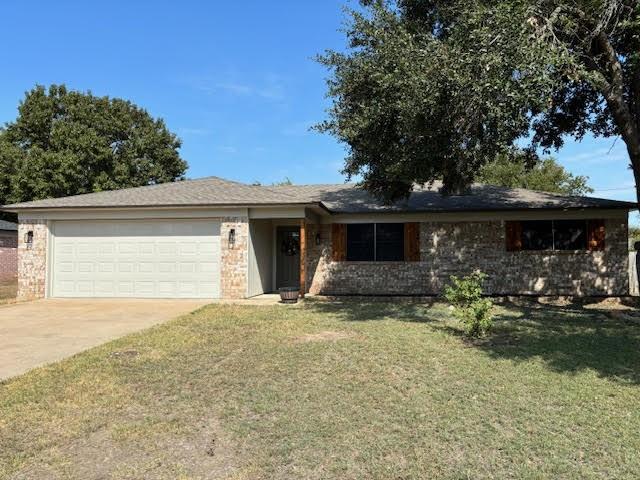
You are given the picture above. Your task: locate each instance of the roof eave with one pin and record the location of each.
(18, 209)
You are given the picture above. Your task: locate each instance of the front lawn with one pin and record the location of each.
(327, 391)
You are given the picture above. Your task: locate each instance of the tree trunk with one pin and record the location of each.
(613, 90)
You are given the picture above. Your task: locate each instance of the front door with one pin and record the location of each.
(287, 257)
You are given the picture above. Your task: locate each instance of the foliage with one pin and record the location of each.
(284, 182)
(67, 142)
(435, 89)
(545, 175)
(634, 236)
(470, 307)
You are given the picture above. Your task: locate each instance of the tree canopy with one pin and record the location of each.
(544, 175)
(435, 89)
(67, 142)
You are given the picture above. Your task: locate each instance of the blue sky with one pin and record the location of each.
(235, 80)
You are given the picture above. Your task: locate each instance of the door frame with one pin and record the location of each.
(284, 222)
(294, 226)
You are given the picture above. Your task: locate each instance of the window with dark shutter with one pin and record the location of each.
(339, 242)
(595, 235)
(555, 235)
(412, 242)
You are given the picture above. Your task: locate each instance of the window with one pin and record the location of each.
(360, 242)
(570, 235)
(550, 235)
(390, 242)
(537, 235)
(382, 242)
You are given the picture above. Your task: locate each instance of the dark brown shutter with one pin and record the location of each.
(513, 232)
(595, 235)
(412, 242)
(338, 242)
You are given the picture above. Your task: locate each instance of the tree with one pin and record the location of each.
(431, 89)
(544, 175)
(66, 142)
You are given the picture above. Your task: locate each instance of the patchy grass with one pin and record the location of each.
(8, 290)
(344, 391)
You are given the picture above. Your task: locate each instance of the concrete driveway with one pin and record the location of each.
(36, 333)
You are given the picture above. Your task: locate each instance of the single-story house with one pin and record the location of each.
(214, 238)
(8, 250)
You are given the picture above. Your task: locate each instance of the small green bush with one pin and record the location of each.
(471, 308)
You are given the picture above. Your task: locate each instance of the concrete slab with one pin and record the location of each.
(44, 331)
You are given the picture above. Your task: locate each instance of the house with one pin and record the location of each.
(214, 238)
(8, 250)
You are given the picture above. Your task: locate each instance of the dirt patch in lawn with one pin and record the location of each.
(204, 453)
(327, 336)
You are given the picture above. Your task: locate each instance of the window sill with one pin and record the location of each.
(372, 262)
(555, 252)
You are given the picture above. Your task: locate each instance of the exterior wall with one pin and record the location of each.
(260, 257)
(8, 254)
(234, 258)
(32, 262)
(459, 248)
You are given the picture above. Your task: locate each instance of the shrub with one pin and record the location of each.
(473, 310)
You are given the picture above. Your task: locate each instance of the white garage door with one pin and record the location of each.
(143, 259)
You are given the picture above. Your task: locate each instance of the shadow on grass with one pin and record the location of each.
(568, 338)
(355, 310)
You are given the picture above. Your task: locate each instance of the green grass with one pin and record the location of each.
(8, 290)
(328, 391)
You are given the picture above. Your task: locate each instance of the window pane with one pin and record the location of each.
(537, 235)
(570, 234)
(390, 242)
(360, 242)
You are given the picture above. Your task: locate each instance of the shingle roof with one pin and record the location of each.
(348, 198)
(199, 192)
(4, 225)
(338, 198)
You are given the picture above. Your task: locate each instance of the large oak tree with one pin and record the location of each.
(67, 142)
(435, 89)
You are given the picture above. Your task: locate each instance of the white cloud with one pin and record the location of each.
(269, 87)
(229, 149)
(600, 156)
(193, 131)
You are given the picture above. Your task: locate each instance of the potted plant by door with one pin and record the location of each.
(289, 294)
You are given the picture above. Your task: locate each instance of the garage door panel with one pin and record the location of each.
(155, 259)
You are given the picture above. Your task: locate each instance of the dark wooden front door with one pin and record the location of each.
(287, 257)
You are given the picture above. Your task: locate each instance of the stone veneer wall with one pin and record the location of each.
(234, 259)
(32, 262)
(460, 248)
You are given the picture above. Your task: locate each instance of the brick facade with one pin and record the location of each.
(460, 248)
(445, 249)
(8, 254)
(32, 260)
(234, 259)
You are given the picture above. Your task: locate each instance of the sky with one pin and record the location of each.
(236, 81)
